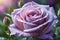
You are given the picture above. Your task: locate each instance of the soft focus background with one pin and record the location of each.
(7, 6)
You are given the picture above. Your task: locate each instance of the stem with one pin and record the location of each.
(34, 38)
(27, 38)
(9, 35)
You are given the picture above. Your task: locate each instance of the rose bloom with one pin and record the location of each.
(33, 20)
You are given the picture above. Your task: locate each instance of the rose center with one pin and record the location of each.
(33, 12)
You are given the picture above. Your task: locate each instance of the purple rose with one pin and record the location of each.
(33, 20)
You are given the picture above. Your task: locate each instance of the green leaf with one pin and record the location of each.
(58, 13)
(1, 24)
(58, 24)
(58, 31)
(3, 29)
(57, 7)
(20, 4)
(24, 39)
(54, 29)
(10, 10)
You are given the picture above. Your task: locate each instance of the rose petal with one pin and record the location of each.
(17, 32)
(48, 35)
(14, 13)
(55, 20)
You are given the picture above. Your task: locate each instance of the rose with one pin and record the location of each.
(33, 20)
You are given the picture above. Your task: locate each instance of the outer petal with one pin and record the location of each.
(34, 4)
(14, 13)
(55, 20)
(47, 36)
(17, 32)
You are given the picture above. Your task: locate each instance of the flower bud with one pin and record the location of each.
(6, 20)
